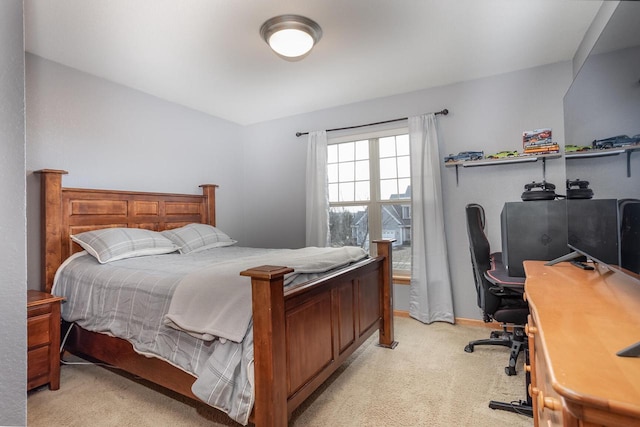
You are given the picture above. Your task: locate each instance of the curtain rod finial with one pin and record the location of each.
(444, 112)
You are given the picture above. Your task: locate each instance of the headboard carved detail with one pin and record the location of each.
(67, 211)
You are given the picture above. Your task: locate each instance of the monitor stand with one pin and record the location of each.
(572, 257)
(632, 351)
(581, 264)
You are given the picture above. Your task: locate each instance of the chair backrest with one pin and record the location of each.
(480, 258)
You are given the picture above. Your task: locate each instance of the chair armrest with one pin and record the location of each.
(504, 288)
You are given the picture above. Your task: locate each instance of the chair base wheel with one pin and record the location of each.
(468, 348)
(510, 370)
(496, 334)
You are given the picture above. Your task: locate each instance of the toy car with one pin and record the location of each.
(615, 141)
(502, 155)
(463, 156)
(570, 148)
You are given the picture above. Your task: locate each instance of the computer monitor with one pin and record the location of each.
(630, 235)
(593, 229)
(606, 231)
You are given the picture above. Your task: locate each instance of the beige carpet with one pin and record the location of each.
(428, 380)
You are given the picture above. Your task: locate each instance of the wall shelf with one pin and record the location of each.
(594, 153)
(504, 161)
(605, 153)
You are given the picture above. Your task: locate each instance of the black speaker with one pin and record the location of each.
(533, 230)
(578, 189)
(539, 191)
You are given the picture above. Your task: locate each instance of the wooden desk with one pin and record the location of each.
(579, 320)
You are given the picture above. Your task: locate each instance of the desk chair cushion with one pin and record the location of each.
(498, 273)
(513, 308)
(514, 315)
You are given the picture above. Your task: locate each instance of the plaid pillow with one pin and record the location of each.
(112, 244)
(198, 237)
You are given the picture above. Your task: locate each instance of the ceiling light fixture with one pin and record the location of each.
(291, 36)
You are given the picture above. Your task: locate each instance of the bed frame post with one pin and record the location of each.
(51, 230)
(386, 335)
(269, 345)
(209, 193)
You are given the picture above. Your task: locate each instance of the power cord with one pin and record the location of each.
(521, 407)
(65, 362)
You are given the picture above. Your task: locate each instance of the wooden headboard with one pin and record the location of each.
(67, 211)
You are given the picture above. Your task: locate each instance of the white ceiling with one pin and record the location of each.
(208, 54)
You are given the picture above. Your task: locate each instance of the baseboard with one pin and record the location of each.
(458, 320)
(477, 322)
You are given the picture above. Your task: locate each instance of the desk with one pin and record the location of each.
(579, 320)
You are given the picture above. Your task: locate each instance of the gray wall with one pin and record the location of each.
(487, 114)
(13, 311)
(604, 101)
(109, 136)
(593, 33)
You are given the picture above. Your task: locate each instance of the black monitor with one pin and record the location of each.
(593, 229)
(630, 235)
(592, 232)
(606, 231)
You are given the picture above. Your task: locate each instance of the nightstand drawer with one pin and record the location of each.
(38, 310)
(43, 340)
(38, 330)
(38, 363)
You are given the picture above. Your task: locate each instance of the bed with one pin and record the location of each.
(325, 319)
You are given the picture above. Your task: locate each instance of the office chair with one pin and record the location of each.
(499, 296)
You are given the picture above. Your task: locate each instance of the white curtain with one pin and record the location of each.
(317, 208)
(430, 297)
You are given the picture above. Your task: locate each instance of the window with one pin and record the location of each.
(370, 193)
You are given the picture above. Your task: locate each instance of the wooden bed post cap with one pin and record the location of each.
(59, 171)
(267, 272)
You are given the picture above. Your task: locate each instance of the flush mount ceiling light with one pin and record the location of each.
(291, 36)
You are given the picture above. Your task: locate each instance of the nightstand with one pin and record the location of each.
(43, 340)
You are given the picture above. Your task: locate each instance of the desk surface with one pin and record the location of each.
(584, 318)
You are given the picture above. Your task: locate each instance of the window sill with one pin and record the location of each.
(400, 279)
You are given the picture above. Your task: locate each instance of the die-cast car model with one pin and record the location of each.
(570, 148)
(502, 155)
(615, 141)
(463, 156)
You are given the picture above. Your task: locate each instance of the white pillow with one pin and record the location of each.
(112, 244)
(198, 237)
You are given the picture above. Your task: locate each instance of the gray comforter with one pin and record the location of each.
(131, 298)
(216, 301)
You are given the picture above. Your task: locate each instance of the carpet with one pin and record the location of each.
(428, 380)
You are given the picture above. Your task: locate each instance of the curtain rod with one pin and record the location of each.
(443, 112)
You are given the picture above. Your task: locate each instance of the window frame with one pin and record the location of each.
(374, 204)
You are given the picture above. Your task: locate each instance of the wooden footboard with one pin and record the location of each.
(301, 335)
